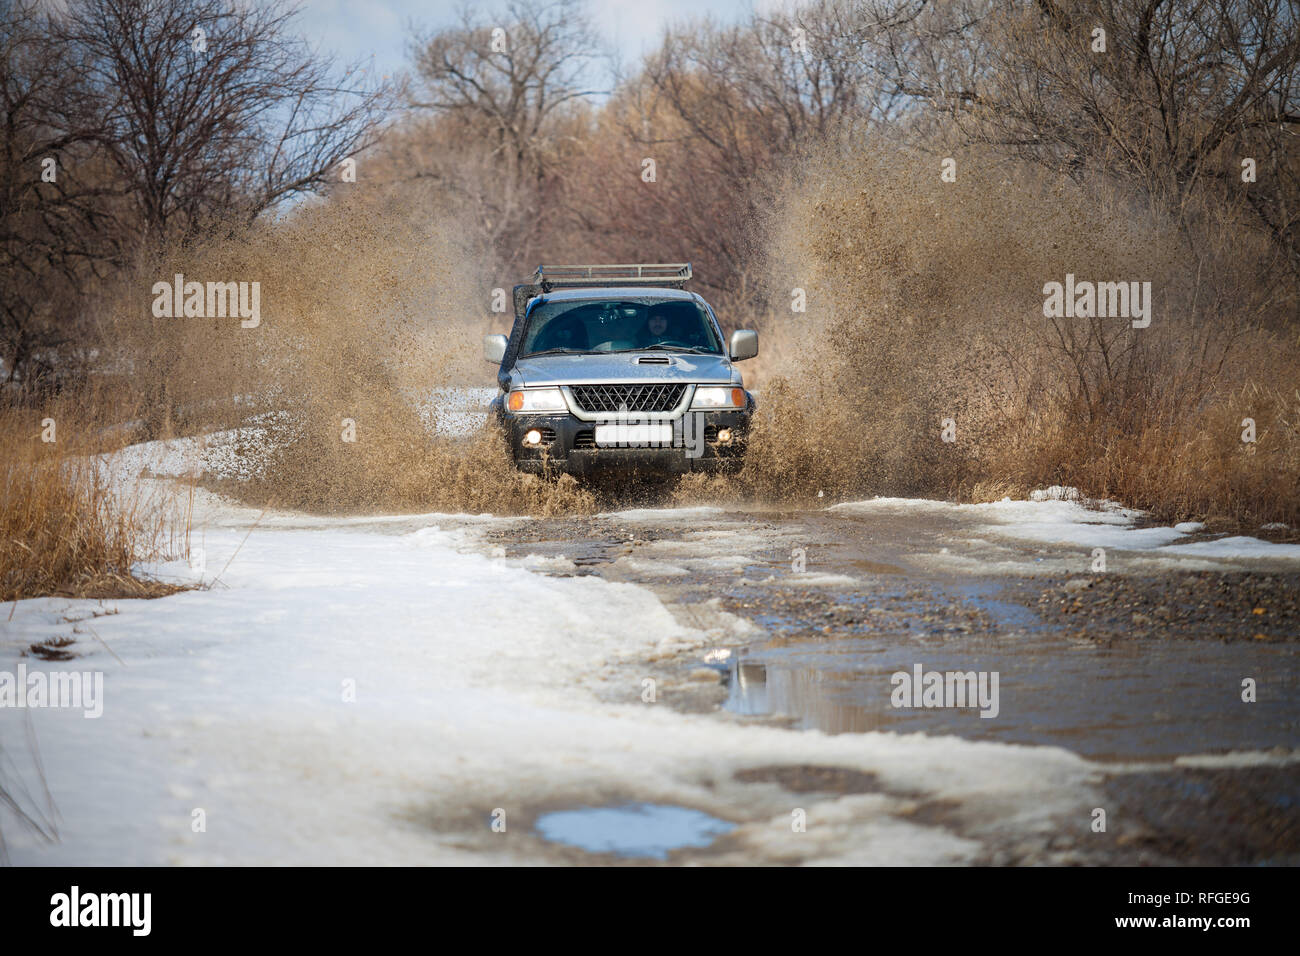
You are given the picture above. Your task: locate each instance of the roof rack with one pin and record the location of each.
(673, 274)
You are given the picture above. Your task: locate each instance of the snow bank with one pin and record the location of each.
(239, 452)
(1054, 516)
(1239, 546)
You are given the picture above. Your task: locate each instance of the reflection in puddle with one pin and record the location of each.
(808, 694)
(636, 829)
(1149, 701)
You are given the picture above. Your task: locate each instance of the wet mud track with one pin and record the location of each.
(1140, 669)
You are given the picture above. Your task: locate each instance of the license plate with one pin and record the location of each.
(641, 435)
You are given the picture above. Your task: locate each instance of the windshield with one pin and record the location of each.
(619, 325)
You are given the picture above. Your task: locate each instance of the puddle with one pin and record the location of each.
(1146, 701)
(1008, 615)
(829, 653)
(645, 830)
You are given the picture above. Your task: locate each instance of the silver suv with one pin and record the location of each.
(620, 368)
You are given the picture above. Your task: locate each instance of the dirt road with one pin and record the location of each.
(889, 681)
(1139, 668)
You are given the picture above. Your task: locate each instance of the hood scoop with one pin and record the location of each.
(654, 360)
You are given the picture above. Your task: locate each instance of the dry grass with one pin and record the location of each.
(64, 528)
(366, 311)
(396, 465)
(925, 304)
(1187, 463)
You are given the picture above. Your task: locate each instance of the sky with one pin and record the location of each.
(361, 29)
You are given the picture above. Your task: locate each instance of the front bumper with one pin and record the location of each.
(568, 445)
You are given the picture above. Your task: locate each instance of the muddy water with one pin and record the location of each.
(879, 595)
(842, 601)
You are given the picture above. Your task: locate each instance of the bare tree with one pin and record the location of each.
(733, 110)
(512, 79)
(509, 94)
(759, 89)
(127, 123)
(210, 107)
(60, 204)
(1169, 95)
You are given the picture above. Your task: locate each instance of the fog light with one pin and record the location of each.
(532, 437)
(724, 436)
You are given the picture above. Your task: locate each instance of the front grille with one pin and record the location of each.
(585, 439)
(633, 398)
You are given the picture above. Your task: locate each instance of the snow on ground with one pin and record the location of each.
(477, 686)
(806, 579)
(1238, 546)
(1053, 516)
(370, 691)
(456, 410)
(234, 452)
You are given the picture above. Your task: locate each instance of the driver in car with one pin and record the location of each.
(665, 325)
(656, 326)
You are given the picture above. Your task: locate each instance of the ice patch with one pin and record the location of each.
(1056, 493)
(1239, 547)
(552, 563)
(1090, 535)
(237, 453)
(1006, 511)
(658, 569)
(813, 579)
(1238, 759)
(1053, 520)
(637, 830)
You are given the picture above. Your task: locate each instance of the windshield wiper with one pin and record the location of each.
(672, 348)
(560, 351)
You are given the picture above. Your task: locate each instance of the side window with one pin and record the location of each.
(715, 327)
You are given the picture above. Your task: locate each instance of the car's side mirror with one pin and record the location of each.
(494, 347)
(744, 344)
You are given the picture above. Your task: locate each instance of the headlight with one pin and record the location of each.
(711, 397)
(536, 400)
